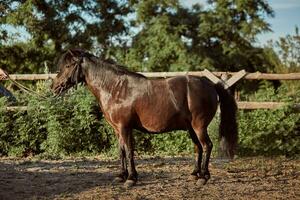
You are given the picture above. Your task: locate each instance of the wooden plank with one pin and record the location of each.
(32, 77)
(248, 76)
(214, 78)
(243, 105)
(211, 77)
(16, 108)
(171, 74)
(266, 105)
(266, 76)
(235, 78)
(246, 105)
(260, 105)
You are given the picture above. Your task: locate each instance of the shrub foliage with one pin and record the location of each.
(73, 125)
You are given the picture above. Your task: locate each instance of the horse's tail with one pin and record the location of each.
(228, 130)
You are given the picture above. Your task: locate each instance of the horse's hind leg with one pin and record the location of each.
(201, 132)
(207, 148)
(198, 154)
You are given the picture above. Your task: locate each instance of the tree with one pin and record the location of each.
(54, 26)
(158, 46)
(219, 37)
(284, 54)
(145, 35)
(228, 30)
(289, 52)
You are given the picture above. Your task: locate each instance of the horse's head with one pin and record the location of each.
(70, 71)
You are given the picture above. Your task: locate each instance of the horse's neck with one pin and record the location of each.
(101, 82)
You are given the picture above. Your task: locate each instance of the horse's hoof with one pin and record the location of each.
(118, 180)
(129, 183)
(193, 177)
(201, 181)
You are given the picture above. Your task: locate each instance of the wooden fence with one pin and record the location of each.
(214, 76)
(248, 76)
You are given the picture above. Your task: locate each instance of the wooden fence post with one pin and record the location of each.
(227, 82)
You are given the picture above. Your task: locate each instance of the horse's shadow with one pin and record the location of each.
(38, 179)
(43, 179)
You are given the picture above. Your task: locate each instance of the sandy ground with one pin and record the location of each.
(159, 178)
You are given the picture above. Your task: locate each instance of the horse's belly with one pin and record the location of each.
(155, 123)
(154, 128)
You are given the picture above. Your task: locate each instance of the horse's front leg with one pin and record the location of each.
(123, 174)
(128, 171)
(129, 149)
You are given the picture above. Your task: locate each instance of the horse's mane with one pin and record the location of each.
(101, 63)
(117, 68)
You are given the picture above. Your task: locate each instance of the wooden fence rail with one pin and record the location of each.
(248, 76)
(239, 75)
(243, 105)
(251, 105)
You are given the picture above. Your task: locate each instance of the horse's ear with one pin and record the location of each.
(70, 52)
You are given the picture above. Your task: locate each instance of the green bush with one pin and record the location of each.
(271, 132)
(53, 126)
(73, 125)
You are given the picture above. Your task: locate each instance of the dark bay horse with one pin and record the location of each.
(130, 101)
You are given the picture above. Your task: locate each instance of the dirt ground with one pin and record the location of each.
(159, 178)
